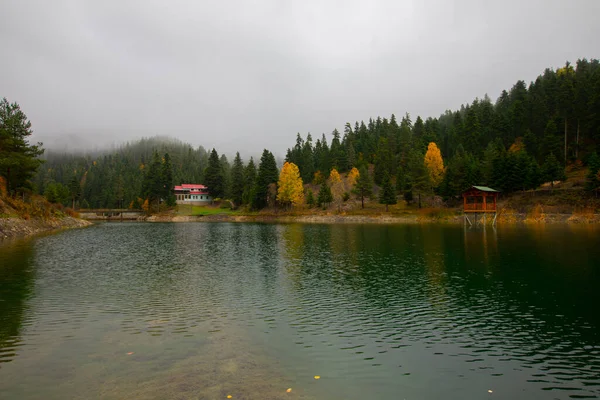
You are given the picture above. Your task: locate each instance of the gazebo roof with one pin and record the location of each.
(484, 189)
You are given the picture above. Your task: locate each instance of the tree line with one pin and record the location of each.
(526, 137)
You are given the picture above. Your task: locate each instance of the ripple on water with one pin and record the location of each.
(379, 309)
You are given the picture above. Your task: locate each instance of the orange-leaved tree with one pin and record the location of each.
(290, 190)
(435, 164)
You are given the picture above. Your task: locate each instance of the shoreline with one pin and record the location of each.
(18, 228)
(503, 218)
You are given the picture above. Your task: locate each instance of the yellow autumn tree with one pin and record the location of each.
(337, 186)
(435, 164)
(352, 177)
(290, 190)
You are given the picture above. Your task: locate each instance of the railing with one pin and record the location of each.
(105, 210)
(479, 207)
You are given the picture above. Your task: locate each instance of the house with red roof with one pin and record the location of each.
(192, 193)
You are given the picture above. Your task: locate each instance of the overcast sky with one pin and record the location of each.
(245, 75)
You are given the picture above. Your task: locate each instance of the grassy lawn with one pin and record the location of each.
(184, 209)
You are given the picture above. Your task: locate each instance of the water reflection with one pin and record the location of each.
(377, 311)
(17, 276)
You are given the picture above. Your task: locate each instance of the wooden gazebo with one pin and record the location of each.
(480, 199)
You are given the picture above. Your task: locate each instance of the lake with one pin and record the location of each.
(210, 310)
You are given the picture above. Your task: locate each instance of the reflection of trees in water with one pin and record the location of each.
(17, 278)
(266, 241)
(323, 255)
(292, 243)
(536, 278)
(433, 247)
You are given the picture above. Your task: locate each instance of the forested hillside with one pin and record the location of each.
(116, 178)
(527, 136)
(524, 138)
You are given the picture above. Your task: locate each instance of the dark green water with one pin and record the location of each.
(378, 312)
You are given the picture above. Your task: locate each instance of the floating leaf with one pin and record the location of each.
(130, 353)
(317, 377)
(289, 390)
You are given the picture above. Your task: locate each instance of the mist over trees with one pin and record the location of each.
(526, 137)
(129, 174)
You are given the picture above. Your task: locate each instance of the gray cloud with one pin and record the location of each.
(240, 75)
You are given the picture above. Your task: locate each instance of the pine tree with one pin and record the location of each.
(553, 170)
(237, 180)
(308, 162)
(267, 176)
(325, 197)
(350, 156)
(338, 155)
(533, 178)
(551, 141)
(401, 181)
(387, 195)
(213, 175)
(566, 95)
(74, 190)
(419, 175)
(310, 198)
(472, 131)
(226, 171)
(249, 182)
(152, 186)
(592, 182)
(383, 161)
(56, 193)
(18, 159)
(167, 181)
(364, 185)
(324, 160)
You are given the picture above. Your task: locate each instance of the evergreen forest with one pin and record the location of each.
(528, 136)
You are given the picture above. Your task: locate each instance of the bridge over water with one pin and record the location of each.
(113, 214)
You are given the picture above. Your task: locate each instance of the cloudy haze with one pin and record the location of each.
(241, 75)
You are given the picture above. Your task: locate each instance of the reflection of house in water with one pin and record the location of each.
(480, 245)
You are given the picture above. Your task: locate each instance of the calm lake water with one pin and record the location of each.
(203, 311)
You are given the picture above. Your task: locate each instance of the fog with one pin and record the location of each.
(241, 75)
